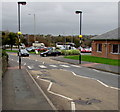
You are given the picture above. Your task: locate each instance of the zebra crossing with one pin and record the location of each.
(53, 66)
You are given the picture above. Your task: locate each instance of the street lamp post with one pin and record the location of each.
(19, 33)
(80, 36)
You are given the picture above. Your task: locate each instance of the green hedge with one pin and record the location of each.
(70, 52)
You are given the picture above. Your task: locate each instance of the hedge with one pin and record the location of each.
(70, 52)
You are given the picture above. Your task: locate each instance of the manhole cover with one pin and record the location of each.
(87, 102)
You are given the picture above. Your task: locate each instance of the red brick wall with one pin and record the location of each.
(106, 49)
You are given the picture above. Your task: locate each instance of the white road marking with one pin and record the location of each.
(76, 66)
(51, 104)
(42, 66)
(38, 77)
(102, 83)
(49, 87)
(24, 63)
(36, 60)
(11, 59)
(30, 67)
(73, 106)
(97, 81)
(65, 66)
(53, 65)
(96, 70)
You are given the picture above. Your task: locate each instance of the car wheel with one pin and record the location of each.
(45, 55)
(56, 54)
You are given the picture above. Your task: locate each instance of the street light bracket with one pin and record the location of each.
(77, 12)
(23, 3)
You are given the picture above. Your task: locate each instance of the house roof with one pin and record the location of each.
(111, 35)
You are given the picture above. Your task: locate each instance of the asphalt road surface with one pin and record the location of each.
(35, 62)
(72, 87)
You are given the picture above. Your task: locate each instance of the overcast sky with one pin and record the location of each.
(59, 17)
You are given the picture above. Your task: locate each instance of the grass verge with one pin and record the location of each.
(15, 51)
(95, 59)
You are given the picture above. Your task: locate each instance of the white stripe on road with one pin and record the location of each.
(30, 67)
(48, 89)
(97, 81)
(76, 66)
(96, 70)
(65, 66)
(53, 65)
(51, 104)
(42, 66)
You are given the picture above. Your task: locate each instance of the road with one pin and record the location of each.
(36, 62)
(72, 85)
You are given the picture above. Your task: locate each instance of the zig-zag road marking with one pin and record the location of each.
(96, 80)
(51, 104)
(48, 89)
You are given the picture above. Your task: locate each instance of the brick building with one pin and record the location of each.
(107, 45)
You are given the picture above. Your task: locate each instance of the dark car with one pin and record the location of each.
(50, 53)
(23, 53)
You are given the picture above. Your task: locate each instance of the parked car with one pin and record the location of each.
(50, 53)
(41, 49)
(23, 53)
(29, 49)
(51, 48)
(88, 50)
(85, 50)
(22, 46)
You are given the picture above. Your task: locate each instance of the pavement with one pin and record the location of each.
(97, 66)
(19, 91)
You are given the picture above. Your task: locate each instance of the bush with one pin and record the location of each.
(70, 52)
(4, 61)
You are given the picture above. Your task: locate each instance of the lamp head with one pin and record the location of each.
(23, 3)
(77, 12)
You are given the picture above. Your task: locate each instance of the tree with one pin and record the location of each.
(11, 39)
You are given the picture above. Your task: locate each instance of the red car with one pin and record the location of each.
(41, 49)
(85, 50)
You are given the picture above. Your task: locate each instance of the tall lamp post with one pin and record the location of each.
(34, 26)
(19, 33)
(80, 36)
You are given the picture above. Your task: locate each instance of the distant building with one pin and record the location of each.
(107, 45)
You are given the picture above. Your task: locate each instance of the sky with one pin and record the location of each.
(59, 18)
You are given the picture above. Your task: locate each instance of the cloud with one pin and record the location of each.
(59, 17)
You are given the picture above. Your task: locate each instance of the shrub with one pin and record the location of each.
(4, 61)
(70, 52)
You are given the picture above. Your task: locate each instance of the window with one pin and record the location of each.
(116, 48)
(99, 47)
